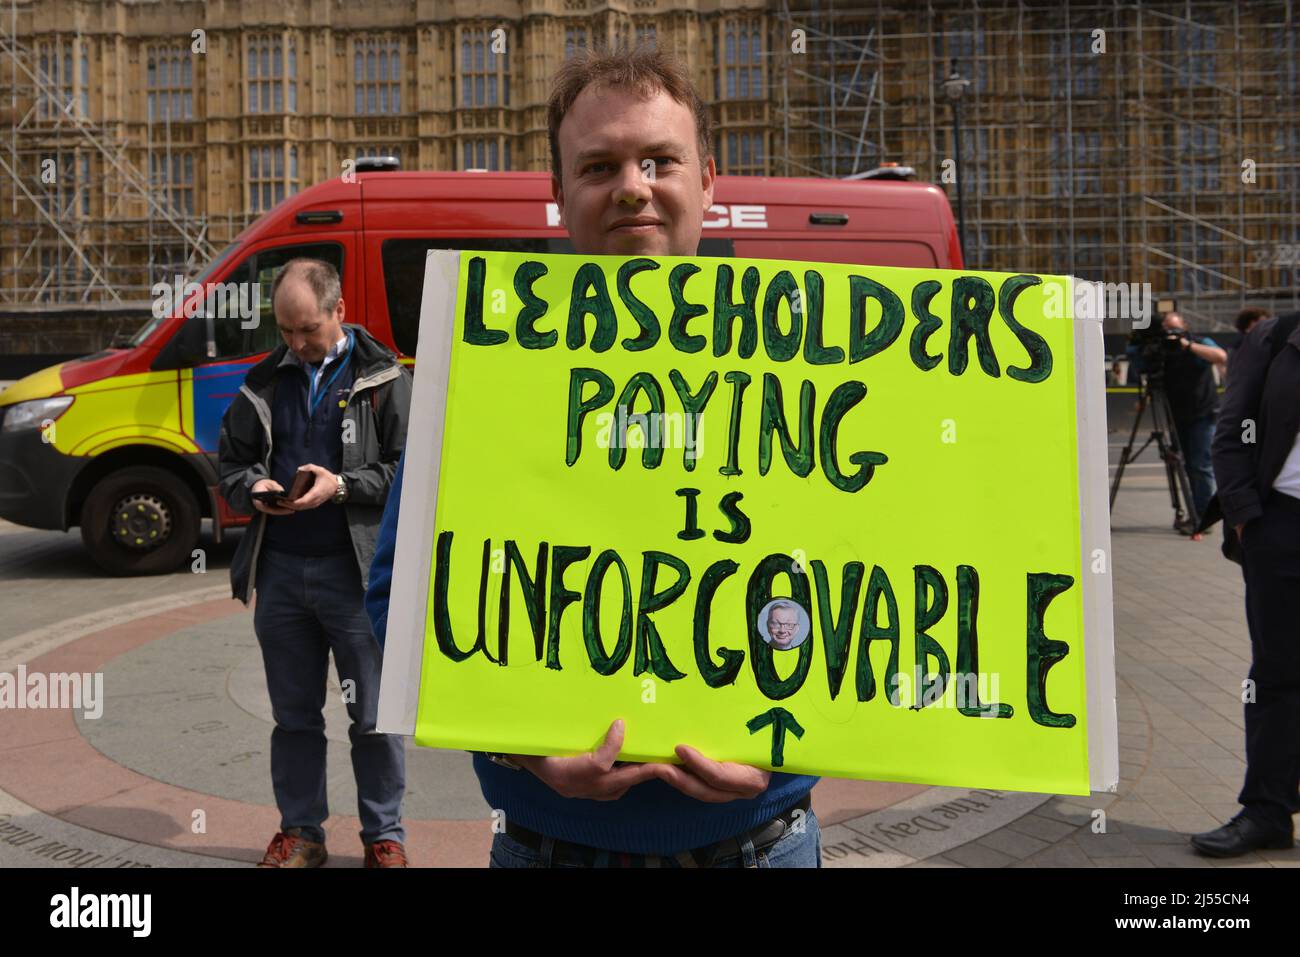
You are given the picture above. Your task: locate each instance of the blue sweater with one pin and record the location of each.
(301, 434)
(651, 818)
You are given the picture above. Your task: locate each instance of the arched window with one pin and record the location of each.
(377, 74)
(740, 70)
(484, 74)
(169, 80)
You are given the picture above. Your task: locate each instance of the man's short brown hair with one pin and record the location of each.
(644, 71)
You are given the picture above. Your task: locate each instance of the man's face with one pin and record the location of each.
(631, 182)
(1173, 322)
(783, 626)
(308, 331)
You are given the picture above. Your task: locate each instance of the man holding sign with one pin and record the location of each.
(633, 176)
(913, 458)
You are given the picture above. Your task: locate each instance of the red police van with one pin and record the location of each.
(123, 443)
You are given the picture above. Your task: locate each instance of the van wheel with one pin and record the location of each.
(140, 521)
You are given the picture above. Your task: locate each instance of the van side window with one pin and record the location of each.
(229, 301)
(404, 272)
(225, 303)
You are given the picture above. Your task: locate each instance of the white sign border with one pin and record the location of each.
(399, 691)
(1096, 559)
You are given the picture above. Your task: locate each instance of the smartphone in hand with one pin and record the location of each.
(302, 481)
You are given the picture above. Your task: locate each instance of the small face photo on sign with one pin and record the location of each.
(783, 624)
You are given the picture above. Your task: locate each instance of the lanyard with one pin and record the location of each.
(314, 396)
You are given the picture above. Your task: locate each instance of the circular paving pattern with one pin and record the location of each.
(175, 771)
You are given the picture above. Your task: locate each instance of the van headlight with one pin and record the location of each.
(31, 415)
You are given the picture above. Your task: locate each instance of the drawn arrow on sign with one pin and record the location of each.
(781, 722)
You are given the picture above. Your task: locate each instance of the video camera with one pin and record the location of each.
(1155, 343)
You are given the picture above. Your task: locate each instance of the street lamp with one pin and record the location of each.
(954, 87)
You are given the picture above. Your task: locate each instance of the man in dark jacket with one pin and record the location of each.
(1257, 464)
(332, 403)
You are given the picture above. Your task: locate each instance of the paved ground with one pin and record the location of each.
(175, 771)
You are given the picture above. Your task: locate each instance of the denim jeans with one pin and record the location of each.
(308, 606)
(793, 849)
(1194, 438)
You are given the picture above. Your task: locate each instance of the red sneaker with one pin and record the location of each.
(290, 849)
(386, 854)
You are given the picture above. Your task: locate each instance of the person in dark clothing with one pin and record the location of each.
(1194, 402)
(1248, 318)
(331, 403)
(1257, 463)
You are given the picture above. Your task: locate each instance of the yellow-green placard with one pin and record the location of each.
(893, 451)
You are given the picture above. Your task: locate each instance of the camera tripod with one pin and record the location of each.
(1165, 436)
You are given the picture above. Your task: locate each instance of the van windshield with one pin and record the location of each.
(155, 321)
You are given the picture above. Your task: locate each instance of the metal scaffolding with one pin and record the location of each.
(1123, 142)
(829, 82)
(79, 209)
(1154, 141)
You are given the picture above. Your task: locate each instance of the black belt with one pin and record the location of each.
(761, 837)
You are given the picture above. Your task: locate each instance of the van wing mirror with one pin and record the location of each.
(192, 344)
